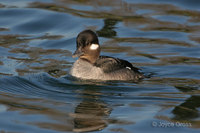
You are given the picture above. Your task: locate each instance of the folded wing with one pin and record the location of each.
(110, 64)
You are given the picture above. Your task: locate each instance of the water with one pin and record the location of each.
(37, 38)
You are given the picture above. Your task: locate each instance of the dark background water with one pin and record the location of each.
(37, 38)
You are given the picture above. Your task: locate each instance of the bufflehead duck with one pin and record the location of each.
(91, 65)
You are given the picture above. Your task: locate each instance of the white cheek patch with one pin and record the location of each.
(128, 68)
(94, 46)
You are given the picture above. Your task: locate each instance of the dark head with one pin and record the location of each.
(87, 46)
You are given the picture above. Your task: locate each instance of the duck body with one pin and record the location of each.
(91, 65)
(106, 68)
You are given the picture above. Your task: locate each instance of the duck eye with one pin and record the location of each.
(94, 46)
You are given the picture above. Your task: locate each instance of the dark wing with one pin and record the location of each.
(110, 64)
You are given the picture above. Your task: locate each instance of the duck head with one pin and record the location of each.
(87, 46)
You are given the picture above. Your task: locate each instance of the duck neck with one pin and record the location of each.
(90, 59)
(91, 55)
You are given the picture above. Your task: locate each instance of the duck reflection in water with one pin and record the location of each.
(91, 114)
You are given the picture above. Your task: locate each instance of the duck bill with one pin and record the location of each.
(77, 53)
